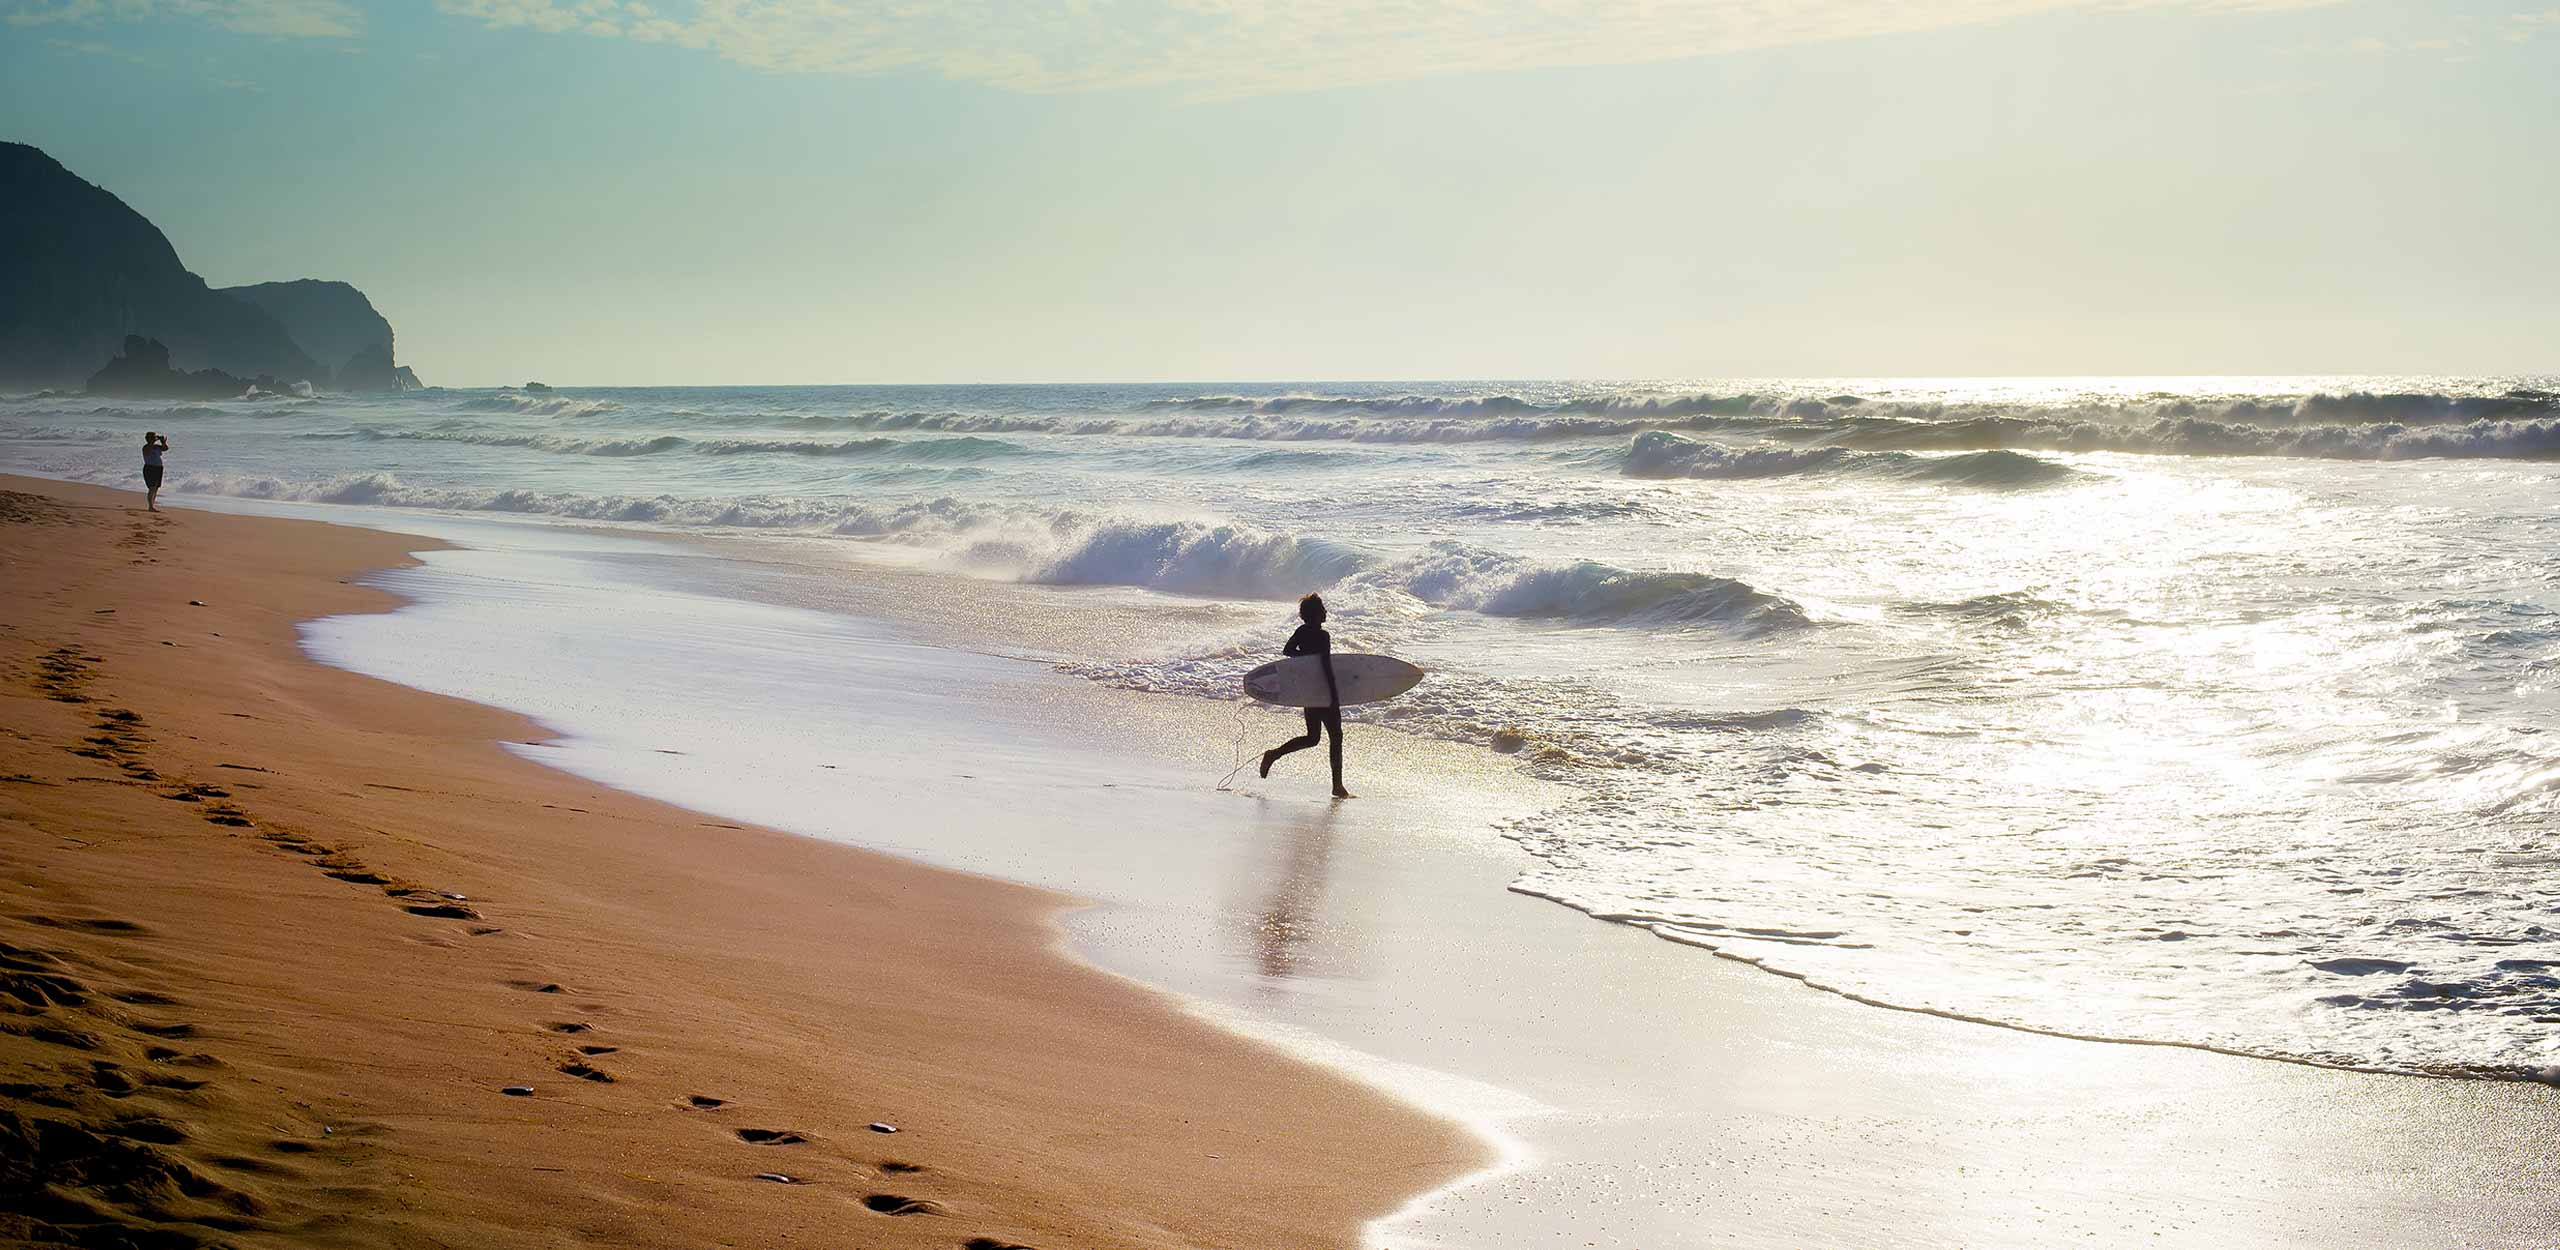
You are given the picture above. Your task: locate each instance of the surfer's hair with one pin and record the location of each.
(1310, 607)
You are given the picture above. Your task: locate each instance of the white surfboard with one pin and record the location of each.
(1299, 680)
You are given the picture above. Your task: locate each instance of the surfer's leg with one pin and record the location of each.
(1300, 743)
(1333, 727)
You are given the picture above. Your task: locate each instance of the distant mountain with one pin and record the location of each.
(332, 321)
(80, 270)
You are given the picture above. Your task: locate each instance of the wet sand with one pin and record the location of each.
(276, 939)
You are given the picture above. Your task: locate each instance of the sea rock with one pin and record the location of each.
(370, 369)
(144, 370)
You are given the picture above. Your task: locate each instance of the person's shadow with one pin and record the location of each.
(1287, 920)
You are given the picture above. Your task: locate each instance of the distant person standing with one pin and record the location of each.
(152, 447)
(1311, 639)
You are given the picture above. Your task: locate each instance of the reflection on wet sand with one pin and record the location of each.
(1287, 918)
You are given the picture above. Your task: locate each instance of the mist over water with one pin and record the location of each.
(2213, 712)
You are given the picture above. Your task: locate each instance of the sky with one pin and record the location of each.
(609, 192)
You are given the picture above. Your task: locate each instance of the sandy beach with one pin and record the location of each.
(279, 937)
(1209, 626)
(308, 1038)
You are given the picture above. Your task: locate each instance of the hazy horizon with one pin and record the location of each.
(862, 194)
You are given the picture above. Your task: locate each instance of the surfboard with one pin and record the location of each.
(1299, 680)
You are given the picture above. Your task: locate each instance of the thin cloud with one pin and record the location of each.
(1244, 47)
(298, 19)
(92, 47)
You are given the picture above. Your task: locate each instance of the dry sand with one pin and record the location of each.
(274, 938)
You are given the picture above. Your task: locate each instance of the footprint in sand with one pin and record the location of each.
(585, 1073)
(84, 924)
(899, 1204)
(242, 1163)
(296, 843)
(701, 1102)
(151, 1129)
(54, 1034)
(28, 976)
(771, 1137)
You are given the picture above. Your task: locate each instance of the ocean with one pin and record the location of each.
(2213, 712)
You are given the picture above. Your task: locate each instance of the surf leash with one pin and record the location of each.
(1223, 782)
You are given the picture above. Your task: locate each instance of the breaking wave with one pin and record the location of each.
(531, 442)
(1175, 556)
(539, 405)
(2520, 423)
(1191, 557)
(2343, 408)
(1587, 592)
(938, 449)
(1662, 454)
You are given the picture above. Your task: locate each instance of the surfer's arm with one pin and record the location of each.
(1325, 657)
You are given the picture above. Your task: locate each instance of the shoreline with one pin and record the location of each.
(1745, 1109)
(226, 858)
(2549, 1075)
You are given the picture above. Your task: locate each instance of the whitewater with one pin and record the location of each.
(2213, 712)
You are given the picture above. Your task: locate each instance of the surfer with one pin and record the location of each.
(1312, 640)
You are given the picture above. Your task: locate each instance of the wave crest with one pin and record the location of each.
(1662, 454)
(1453, 575)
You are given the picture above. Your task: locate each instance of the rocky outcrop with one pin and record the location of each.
(80, 270)
(332, 321)
(144, 370)
(370, 369)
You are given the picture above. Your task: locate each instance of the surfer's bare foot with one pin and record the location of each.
(1267, 757)
(1340, 793)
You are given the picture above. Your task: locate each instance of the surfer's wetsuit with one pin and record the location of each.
(1312, 640)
